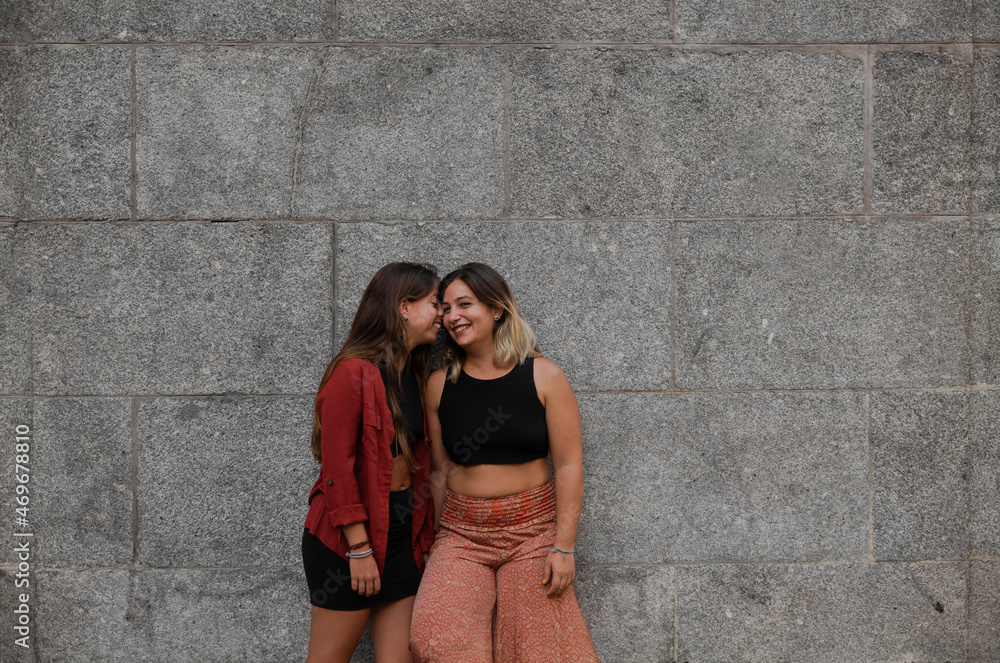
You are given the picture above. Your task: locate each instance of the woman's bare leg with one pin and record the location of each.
(390, 628)
(334, 634)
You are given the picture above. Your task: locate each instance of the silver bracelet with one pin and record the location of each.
(354, 555)
(556, 548)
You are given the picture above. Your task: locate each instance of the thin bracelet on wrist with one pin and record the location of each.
(556, 548)
(354, 555)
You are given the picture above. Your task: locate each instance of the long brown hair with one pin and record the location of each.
(513, 339)
(378, 334)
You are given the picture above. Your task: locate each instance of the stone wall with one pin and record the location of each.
(763, 241)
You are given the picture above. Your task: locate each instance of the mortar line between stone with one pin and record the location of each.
(673, 305)
(135, 128)
(868, 163)
(677, 621)
(583, 392)
(930, 218)
(664, 44)
(333, 289)
(135, 482)
(506, 139)
(673, 37)
(335, 19)
(871, 481)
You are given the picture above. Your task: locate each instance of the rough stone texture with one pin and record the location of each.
(217, 130)
(511, 20)
(15, 20)
(672, 133)
(792, 21)
(186, 20)
(14, 127)
(579, 285)
(984, 442)
(921, 126)
(80, 485)
(15, 310)
(822, 304)
(986, 302)
(987, 23)
(986, 132)
(66, 126)
(984, 612)
(921, 479)
(182, 308)
(223, 482)
(14, 413)
(403, 134)
(724, 477)
(155, 615)
(629, 611)
(823, 612)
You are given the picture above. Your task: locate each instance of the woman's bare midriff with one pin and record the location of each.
(400, 474)
(498, 480)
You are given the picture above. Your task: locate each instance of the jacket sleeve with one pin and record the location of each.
(341, 404)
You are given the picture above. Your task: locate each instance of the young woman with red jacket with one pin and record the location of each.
(370, 520)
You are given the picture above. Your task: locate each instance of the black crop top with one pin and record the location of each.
(498, 421)
(409, 403)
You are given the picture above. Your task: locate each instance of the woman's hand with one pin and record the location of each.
(364, 576)
(560, 571)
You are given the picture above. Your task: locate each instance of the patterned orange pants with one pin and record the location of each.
(481, 598)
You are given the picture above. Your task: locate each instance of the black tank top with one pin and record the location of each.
(498, 421)
(409, 403)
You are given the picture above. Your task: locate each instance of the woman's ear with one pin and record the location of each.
(404, 309)
(497, 313)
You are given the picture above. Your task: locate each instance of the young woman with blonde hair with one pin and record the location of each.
(498, 586)
(369, 524)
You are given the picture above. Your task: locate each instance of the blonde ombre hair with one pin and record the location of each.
(513, 339)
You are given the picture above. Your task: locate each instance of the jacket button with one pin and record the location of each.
(329, 482)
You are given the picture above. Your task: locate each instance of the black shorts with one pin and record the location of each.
(328, 575)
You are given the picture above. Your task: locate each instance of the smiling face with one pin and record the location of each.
(468, 320)
(423, 319)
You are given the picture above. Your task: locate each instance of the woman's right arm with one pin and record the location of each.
(440, 462)
(341, 404)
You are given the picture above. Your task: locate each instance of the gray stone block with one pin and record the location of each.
(984, 612)
(682, 133)
(217, 130)
(80, 485)
(412, 133)
(987, 24)
(984, 446)
(14, 127)
(985, 133)
(824, 304)
(921, 125)
(823, 612)
(15, 21)
(79, 616)
(581, 286)
(181, 308)
(223, 482)
(185, 20)
(921, 479)
(985, 302)
(262, 614)
(449, 20)
(725, 477)
(15, 310)
(789, 21)
(67, 129)
(14, 413)
(629, 611)
(157, 615)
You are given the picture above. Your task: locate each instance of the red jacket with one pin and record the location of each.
(355, 475)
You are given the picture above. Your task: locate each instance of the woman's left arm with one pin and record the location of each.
(562, 416)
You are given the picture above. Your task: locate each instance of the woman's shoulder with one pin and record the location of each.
(546, 369)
